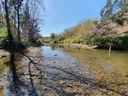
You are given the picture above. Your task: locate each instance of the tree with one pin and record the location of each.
(52, 35)
(11, 42)
(117, 11)
(17, 5)
(106, 11)
(30, 25)
(10, 37)
(121, 16)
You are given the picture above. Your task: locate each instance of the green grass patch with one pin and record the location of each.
(3, 32)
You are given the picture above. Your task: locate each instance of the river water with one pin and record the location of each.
(110, 69)
(73, 72)
(116, 61)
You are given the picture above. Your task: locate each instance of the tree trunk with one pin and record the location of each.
(10, 37)
(11, 43)
(18, 31)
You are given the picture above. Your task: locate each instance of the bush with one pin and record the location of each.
(4, 44)
(121, 42)
(35, 42)
(117, 42)
(102, 41)
(74, 40)
(3, 37)
(17, 45)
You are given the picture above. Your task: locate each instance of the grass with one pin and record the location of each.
(3, 32)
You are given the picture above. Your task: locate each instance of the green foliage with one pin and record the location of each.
(80, 30)
(106, 11)
(3, 32)
(3, 36)
(121, 42)
(17, 45)
(116, 10)
(35, 42)
(74, 40)
(101, 41)
(117, 42)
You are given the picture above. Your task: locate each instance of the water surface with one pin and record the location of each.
(109, 69)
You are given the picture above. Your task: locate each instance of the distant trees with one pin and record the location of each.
(80, 30)
(117, 10)
(106, 11)
(75, 34)
(52, 35)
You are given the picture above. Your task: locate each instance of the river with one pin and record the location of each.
(73, 72)
(110, 69)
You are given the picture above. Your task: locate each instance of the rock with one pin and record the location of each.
(45, 88)
(45, 76)
(39, 77)
(74, 91)
(62, 82)
(69, 85)
(3, 56)
(80, 72)
(78, 85)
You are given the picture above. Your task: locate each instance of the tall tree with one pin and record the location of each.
(10, 37)
(15, 7)
(106, 11)
(11, 42)
(116, 10)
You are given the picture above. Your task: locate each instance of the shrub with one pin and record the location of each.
(117, 42)
(74, 40)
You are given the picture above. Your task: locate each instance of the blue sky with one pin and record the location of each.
(67, 13)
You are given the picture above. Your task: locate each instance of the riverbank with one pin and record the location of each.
(80, 46)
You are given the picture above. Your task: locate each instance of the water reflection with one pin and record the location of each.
(116, 61)
(108, 72)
